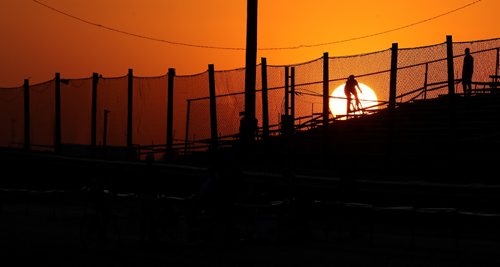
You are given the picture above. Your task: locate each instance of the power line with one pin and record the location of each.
(379, 33)
(133, 34)
(262, 49)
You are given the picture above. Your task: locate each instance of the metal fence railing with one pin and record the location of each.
(131, 111)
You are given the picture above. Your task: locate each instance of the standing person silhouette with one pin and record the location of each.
(467, 71)
(350, 89)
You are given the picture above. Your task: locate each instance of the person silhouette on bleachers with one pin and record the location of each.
(350, 89)
(467, 71)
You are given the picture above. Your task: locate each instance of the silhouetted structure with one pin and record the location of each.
(248, 123)
(467, 71)
(76, 116)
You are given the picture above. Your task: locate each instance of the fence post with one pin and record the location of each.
(496, 68)
(326, 89)
(287, 89)
(105, 130)
(213, 106)
(130, 107)
(425, 79)
(248, 125)
(186, 140)
(57, 130)
(187, 126)
(392, 105)
(170, 111)
(451, 77)
(27, 138)
(286, 122)
(93, 123)
(325, 142)
(292, 97)
(451, 143)
(393, 77)
(265, 107)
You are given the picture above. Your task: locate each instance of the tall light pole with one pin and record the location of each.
(248, 124)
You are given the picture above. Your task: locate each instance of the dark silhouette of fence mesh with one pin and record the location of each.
(418, 69)
(150, 106)
(11, 117)
(42, 115)
(75, 111)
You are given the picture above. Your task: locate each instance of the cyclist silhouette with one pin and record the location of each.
(350, 90)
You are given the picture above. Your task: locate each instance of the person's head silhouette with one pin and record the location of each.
(467, 51)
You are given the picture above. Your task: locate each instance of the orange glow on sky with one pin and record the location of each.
(37, 42)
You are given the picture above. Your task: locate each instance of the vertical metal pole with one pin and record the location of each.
(170, 111)
(425, 79)
(27, 138)
(451, 77)
(392, 104)
(287, 105)
(325, 143)
(498, 61)
(93, 123)
(57, 130)
(326, 89)
(187, 126)
(249, 121)
(393, 77)
(265, 107)
(292, 96)
(451, 157)
(496, 68)
(213, 106)
(130, 107)
(105, 131)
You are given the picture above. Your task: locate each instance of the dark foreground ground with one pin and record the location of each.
(60, 212)
(423, 193)
(52, 228)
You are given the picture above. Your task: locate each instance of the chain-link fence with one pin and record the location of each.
(422, 73)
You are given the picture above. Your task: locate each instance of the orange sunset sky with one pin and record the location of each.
(37, 42)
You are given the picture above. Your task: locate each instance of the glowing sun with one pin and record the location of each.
(338, 101)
